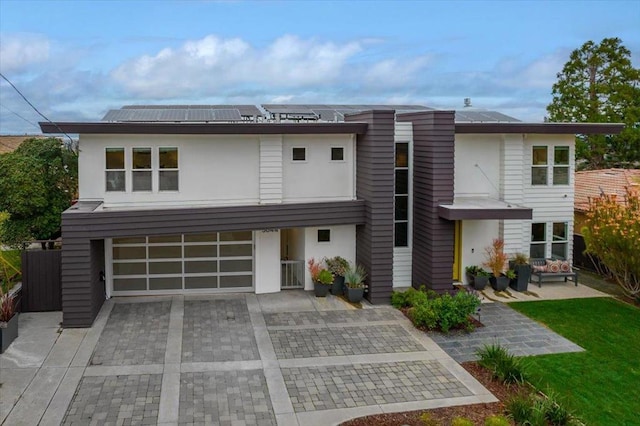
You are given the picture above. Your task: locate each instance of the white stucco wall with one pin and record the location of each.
(343, 243)
(476, 235)
(318, 178)
(267, 261)
(477, 165)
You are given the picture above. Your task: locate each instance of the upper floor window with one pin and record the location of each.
(401, 195)
(115, 172)
(299, 154)
(141, 169)
(337, 153)
(540, 165)
(168, 173)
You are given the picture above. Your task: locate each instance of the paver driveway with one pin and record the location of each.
(282, 359)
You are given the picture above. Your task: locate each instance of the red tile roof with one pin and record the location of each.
(591, 183)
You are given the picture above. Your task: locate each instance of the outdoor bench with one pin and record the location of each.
(541, 275)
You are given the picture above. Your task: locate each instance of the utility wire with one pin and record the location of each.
(36, 109)
(18, 115)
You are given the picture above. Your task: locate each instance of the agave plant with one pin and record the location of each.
(354, 277)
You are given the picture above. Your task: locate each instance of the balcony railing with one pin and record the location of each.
(292, 274)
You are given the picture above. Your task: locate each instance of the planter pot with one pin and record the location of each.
(521, 283)
(355, 295)
(337, 288)
(470, 279)
(479, 283)
(500, 283)
(8, 332)
(321, 290)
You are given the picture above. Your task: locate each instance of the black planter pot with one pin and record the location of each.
(479, 283)
(500, 283)
(337, 288)
(355, 295)
(9, 333)
(321, 290)
(523, 273)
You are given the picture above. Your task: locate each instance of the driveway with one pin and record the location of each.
(278, 359)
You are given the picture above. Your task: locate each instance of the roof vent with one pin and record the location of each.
(467, 102)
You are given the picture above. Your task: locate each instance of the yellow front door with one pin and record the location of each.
(457, 249)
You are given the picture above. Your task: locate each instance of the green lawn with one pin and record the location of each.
(602, 384)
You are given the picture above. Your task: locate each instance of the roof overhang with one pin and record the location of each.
(477, 208)
(204, 128)
(541, 128)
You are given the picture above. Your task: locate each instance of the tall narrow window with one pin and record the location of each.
(141, 169)
(168, 173)
(560, 241)
(539, 166)
(115, 173)
(538, 240)
(561, 165)
(401, 195)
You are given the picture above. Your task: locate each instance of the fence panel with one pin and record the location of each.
(41, 280)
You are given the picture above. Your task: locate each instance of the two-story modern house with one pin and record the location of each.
(212, 199)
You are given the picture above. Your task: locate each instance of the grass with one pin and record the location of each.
(601, 384)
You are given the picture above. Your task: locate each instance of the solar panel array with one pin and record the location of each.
(482, 116)
(183, 113)
(331, 112)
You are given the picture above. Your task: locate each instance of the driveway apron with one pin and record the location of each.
(251, 360)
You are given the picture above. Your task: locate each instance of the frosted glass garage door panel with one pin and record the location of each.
(165, 268)
(130, 268)
(200, 282)
(235, 250)
(127, 253)
(201, 251)
(236, 281)
(172, 283)
(236, 265)
(165, 252)
(129, 284)
(200, 267)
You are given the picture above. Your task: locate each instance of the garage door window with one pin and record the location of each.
(183, 262)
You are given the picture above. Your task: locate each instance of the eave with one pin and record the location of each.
(541, 128)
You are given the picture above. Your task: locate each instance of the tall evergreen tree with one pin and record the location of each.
(600, 85)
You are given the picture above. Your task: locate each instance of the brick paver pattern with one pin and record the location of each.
(336, 341)
(330, 317)
(324, 388)
(136, 334)
(225, 398)
(218, 330)
(116, 400)
(519, 334)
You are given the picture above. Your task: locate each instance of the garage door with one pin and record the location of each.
(182, 263)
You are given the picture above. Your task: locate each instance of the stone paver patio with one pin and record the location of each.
(285, 359)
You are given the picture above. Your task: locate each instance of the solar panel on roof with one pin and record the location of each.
(227, 114)
(171, 114)
(199, 115)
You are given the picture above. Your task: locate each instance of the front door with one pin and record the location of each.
(457, 250)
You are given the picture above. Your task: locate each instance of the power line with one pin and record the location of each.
(18, 115)
(34, 108)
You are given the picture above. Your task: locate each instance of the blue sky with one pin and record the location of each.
(75, 60)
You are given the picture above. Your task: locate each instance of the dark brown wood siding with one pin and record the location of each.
(433, 176)
(374, 184)
(84, 230)
(41, 281)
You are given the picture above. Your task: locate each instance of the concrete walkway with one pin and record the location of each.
(280, 359)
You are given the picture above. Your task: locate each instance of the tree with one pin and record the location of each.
(612, 234)
(600, 85)
(38, 181)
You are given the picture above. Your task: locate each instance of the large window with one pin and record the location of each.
(141, 169)
(115, 172)
(540, 243)
(168, 173)
(540, 165)
(401, 195)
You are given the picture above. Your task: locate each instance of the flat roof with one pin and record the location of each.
(541, 128)
(483, 208)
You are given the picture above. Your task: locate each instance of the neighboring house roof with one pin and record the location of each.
(593, 183)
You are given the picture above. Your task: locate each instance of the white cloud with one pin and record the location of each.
(19, 51)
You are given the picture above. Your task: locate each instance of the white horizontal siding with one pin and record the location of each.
(402, 257)
(402, 267)
(270, 169)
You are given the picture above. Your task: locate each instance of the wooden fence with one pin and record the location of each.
(41, 280)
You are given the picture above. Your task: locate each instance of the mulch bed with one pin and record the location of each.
(474, 412)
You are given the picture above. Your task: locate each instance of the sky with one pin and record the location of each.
(75, 60)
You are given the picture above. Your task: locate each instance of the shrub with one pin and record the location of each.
(555, 411)
(443, 312)
(461, 421)
(496, 421)
(520, 407)
(534, 410)
(337, 265)
(325, 277)
(410, 297)
(503, 365)
(427, 420)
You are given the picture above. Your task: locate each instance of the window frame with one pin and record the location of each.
(401, 225)
(557, 166)
(328, 234)
(544, 166)
(169, 169)
(341, 160)
(551, 240)
(121, 171)
(135, 170)
(293, 156)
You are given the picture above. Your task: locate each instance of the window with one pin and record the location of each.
(559, 241)
(168, 173)
(115, 173)
(539, 166)
(401, 195)
(538, 240)
(141, 169)
(561, 165)
(324, 235)
(299, 154)
(337, 154)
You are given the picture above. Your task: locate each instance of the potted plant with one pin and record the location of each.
(8, 321)
(481, 279)
(321, 277)
(520, 264)
(496, 260)
(338, 267)
(471, 272)
(354, 282)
